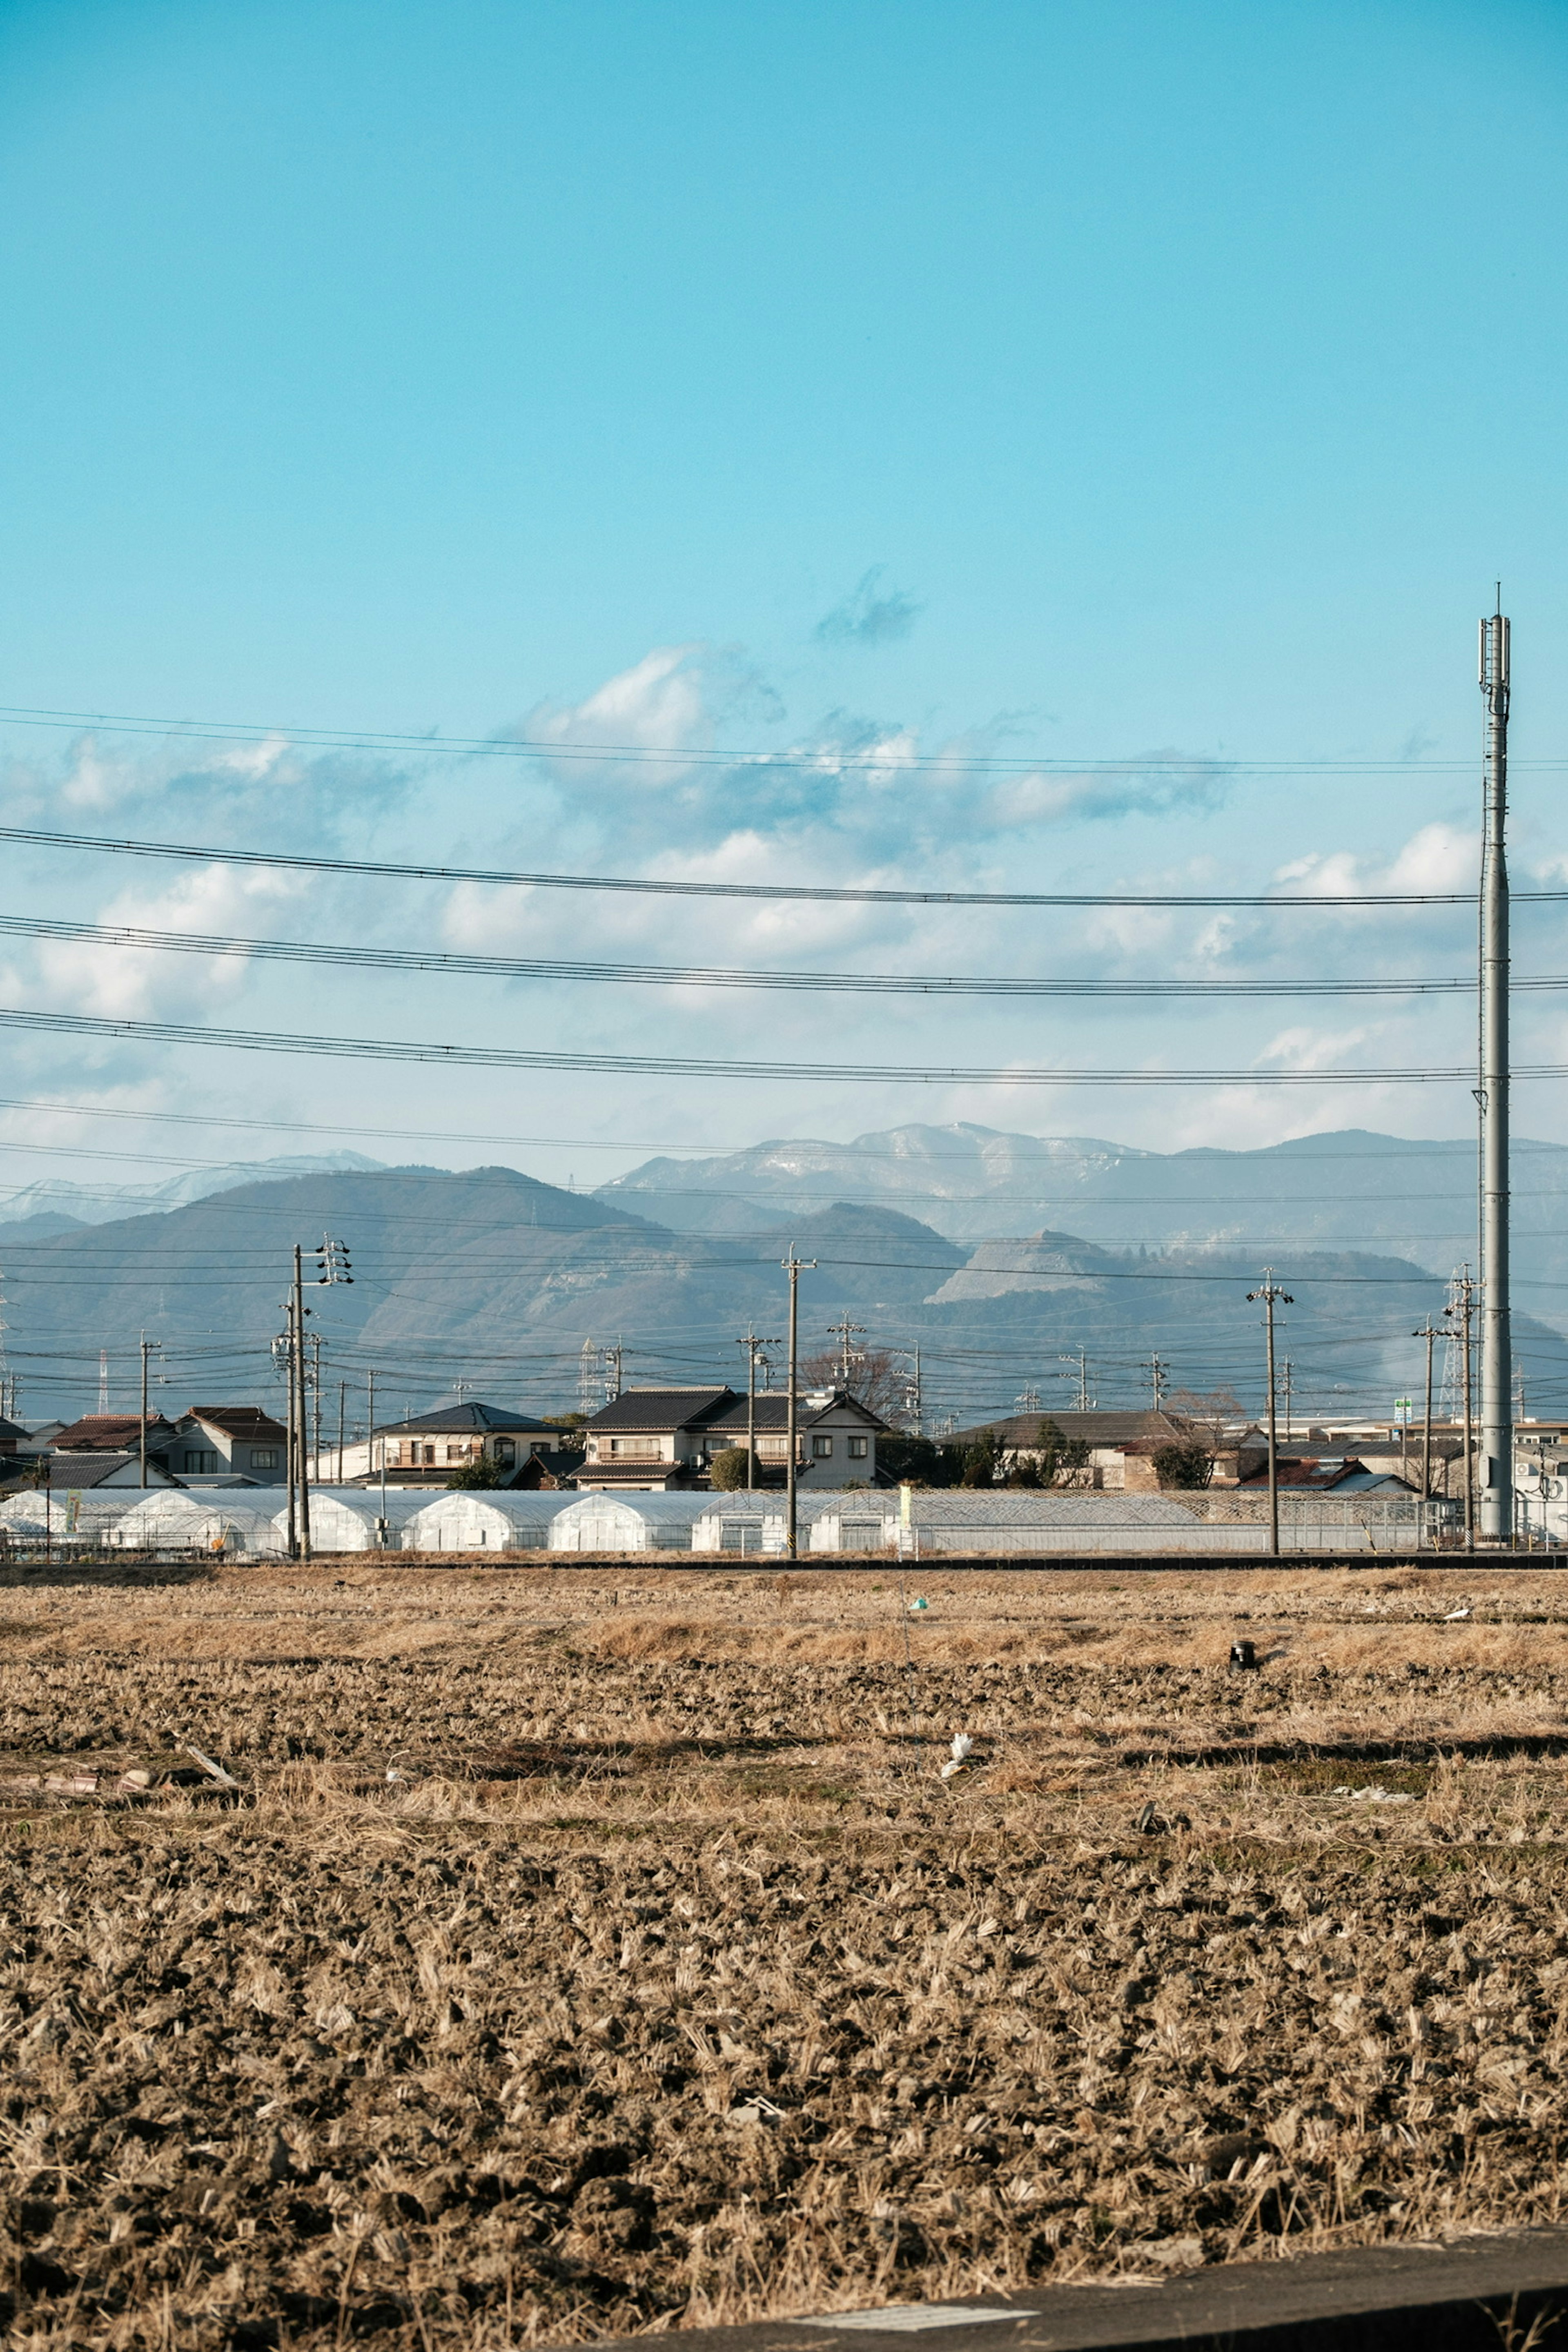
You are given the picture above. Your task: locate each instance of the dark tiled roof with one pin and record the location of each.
(663, 1408)
(465, 1420)
(1321, 1472)
(238, 1420)
(114, 1430)
(80, 1467)
(772, 1413)
(10, 1434)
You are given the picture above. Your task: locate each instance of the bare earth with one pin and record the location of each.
(589, 1950)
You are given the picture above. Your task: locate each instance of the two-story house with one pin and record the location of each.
(661, 1439)
(425, 1450)
(228, 1442)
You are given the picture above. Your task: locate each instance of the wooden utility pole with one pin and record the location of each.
(1271, 1295)
(343, 1421)
(792, 1267)
(1497, 1343)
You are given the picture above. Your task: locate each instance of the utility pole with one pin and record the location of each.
(283, 1354)
(104, 1379)
(316, 1406)
(914, 1396)
(146, 1345)
(846, 1333)
(301, 1422)
(1270, 1292)
(1496, 1348)
(342, 1418)
(1462, 1307)
(792, 1267)
(1429, 1333)
(613, 1356)
(1287, 1371)
(1158, 1367)
(751, 1344)
(1081, 1359)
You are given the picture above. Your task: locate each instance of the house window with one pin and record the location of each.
(506, 1452)
(198, 1460)
(856, 1449)
(635, 1449)
(429, 1454)
(264, 1457)
(773, 1449)
(821, 1448)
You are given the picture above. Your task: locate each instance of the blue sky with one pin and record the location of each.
(1156, 384)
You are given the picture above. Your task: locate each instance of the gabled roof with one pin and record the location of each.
(111, 1431)
(10, 1433)
(248, 1421)
(81, 1468)
(661, 1408)
(466, 1420)
(1317, 1472)
(773, 1413)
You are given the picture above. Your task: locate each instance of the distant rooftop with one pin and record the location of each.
(465, 1420)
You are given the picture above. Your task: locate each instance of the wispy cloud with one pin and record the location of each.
(869, 617)
(1160, 783)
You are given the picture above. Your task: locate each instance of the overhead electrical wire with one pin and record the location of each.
(389, 869)
(454, 964)
(821, 756)
(517, 1057)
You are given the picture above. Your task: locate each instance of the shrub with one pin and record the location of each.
(728, 1470)
(482, 1473)
(1188, 1465)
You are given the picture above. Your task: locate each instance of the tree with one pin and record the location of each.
(877, 1379)
(728, 1470)
(983, 1460)
(482, 1471)
(1059, 1454)
(1187, 1465)
(1208, 1411)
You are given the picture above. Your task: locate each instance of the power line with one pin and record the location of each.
(512, 1058)
(388, 869)
(817, 757)
(544, 968)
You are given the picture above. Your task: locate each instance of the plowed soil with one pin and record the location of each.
(584, 1951)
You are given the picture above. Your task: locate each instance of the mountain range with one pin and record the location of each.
(493, 1281)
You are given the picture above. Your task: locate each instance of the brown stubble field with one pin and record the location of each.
(589, 1950)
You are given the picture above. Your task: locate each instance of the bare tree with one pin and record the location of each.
(877, 1379)
(1208, 1412)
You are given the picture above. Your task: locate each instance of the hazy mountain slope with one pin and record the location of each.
(494, 1279)
(106, 1204)
(1350, 1190)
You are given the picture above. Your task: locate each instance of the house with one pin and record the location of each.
(115, 1433)
(425, 1450)
(80, 1467)
(1121, 1445)
(11, 1436)
(1323, 1474)
(230, 1442)
(652, 1440)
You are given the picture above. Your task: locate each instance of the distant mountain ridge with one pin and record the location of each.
(491, 1280)
(67, 1203)
(1352, 1189)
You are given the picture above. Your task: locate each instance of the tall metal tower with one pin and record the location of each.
(1496, 1348)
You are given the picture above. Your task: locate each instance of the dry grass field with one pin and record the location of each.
(587, 1950)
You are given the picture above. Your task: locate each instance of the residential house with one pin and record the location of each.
(116, 1432)
(11, 1436)
(665, 1439)
(80, 1467)
(229, 1443)
(425, 1450)
(1122, 1446)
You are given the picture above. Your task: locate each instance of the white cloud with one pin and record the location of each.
(143, 983)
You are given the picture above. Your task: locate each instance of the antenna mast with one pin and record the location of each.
(1497, 1348)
